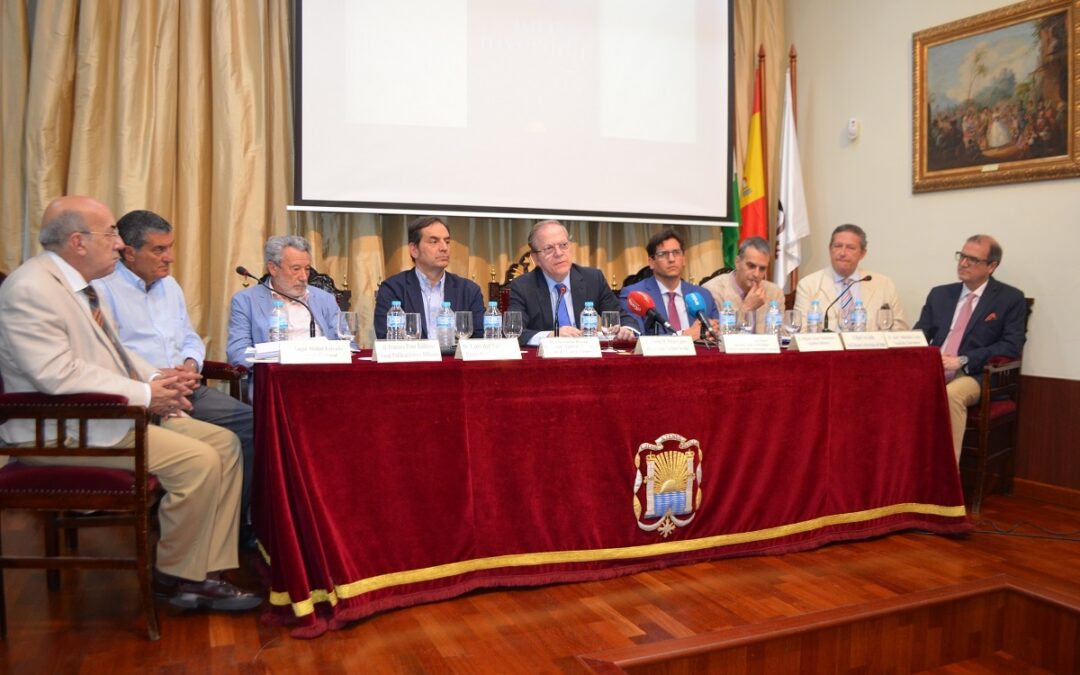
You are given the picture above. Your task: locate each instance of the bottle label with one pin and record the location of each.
(444, 321)
(395, 321)
(494, 322)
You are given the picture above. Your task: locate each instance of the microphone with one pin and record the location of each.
(243, 271)
(555, 317)
(695, 307)
(847, 290)
(641, 304)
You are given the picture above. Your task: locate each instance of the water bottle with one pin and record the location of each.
(279, 322)
(728, 323)
(858, 318)
(590, 320)
(444, 327)
(492, 322)
(813, 318)
(774, 318)
(395, 322)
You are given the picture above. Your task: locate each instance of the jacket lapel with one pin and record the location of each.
(578, 290)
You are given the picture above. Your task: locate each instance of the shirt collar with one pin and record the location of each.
(73, 277)
(964, 291)
(839, 279)
(551, 282)
(131, 278)
(426, 283)
(664, 290)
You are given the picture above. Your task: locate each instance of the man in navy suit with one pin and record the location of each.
(556, 291)
(424, 288)
(667, 259)
(973, 321)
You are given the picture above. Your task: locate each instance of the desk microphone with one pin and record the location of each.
(641, 304)
(243, 271)
(846, 291)
(555, 318)
(695, 307)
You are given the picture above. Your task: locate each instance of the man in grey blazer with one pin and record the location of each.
(558, 289)
(57, 338)
(288, 261)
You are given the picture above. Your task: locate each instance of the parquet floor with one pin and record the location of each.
(92, 624)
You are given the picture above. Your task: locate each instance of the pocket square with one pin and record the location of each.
(992, 316)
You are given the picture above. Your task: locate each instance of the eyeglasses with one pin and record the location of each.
(550, 250)
(111, 232)
(673, 254)
(970, 259)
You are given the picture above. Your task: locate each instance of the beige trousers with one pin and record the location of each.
(199, 465)
(962, 392)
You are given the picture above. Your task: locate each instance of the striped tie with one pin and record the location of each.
(99, 318)
(850, 296)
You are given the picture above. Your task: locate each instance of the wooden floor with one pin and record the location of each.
(92, 625)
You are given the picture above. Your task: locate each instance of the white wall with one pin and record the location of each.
(855, 60)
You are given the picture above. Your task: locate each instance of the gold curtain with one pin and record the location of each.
(184, 108)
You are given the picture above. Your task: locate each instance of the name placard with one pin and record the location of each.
(665, 345)
(817, 342)
(569, 348)
(906, 338)
(871, 340)
(749, 343)
(315, 351)
(502, 349)
(406, 351)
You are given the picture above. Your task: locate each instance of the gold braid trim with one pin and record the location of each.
(356, 588)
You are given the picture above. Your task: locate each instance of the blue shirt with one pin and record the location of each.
(153, 322)
(433, 299)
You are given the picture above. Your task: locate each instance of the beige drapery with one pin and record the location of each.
(183, 107)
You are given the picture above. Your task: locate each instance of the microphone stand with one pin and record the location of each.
(837, 299)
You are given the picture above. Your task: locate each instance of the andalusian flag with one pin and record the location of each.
(730, 235)
(754, 209)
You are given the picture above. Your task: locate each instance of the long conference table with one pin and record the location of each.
(380, 486)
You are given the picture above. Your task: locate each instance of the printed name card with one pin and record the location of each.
(906, 338)
(569, 348)
(749, 343)
(315, 351)
(406, 351)
(665, 345)
(871, 340)
(502, 349)
(817, 342)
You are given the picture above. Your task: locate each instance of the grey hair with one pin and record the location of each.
(539, 226)
(55, 233)
(854, 229)
(135, 225)
(275, 245)
(994, 256)
(756, 243)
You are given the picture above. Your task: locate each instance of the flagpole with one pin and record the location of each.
(793, 59)
(764, 127)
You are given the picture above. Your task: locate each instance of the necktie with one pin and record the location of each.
(850, 298)
(99, 318)
(564, 315)
(952, 342)
(673, 312)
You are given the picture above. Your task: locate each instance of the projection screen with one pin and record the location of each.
(616, 110)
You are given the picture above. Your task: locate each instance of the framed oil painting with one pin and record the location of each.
(995, 97)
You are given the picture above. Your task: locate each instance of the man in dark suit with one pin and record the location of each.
(973, 321)
(424, 288)
(556, 291)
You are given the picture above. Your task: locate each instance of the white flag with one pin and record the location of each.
(792, 220)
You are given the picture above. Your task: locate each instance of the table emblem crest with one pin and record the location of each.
(667, 483)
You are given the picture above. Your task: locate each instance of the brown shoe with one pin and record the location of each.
(214, 594)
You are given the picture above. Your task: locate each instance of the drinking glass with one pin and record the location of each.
(413, 328)
(511, 324)
(609, 327)
(885, 318)
(792, 322)
(747, 320)
(347, 325)
(463, 325)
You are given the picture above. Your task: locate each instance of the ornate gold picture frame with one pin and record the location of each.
(996, 97)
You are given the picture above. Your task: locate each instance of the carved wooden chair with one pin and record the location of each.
(324, 282)
(714, 274)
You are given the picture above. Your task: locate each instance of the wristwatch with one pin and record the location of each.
(963, 364)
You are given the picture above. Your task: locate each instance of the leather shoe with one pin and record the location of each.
(211, 593)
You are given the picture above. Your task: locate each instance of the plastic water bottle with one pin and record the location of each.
(492, 322)
(858, 318)
(444, 327)
(395, 322)
(590, 320)
(774, 318)
(728, 323)
(813, 317)
(278, 329)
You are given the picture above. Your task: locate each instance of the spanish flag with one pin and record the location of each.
(754, 211)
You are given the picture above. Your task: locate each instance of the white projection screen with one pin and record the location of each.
(616, 110)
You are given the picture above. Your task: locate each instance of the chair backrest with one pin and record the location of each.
(640, 275)
(715, 273)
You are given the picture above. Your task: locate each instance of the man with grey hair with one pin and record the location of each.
(747, 288)
(847, 247)
(288, 261)
(57, 338)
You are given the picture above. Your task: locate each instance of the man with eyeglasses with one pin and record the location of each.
(667, 260)
(746, 288)
(972, 321)
(555, 292)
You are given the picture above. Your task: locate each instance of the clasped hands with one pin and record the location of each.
(169, 391)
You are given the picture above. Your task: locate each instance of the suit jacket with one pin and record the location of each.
(249, 318)
(652, 287)
(874, 293)
(461, 293)
(50, 343)
(998, 324)
(529, 295)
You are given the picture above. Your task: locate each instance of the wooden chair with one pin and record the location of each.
(641, 275)
(121, 496)
(513, 272)
(324, 282)
(714, 274)
(233, 375)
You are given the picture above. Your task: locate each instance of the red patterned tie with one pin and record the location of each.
(673, 312)
(99, 318)
(952, 342)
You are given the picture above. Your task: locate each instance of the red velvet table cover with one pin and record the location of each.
(385, 485)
